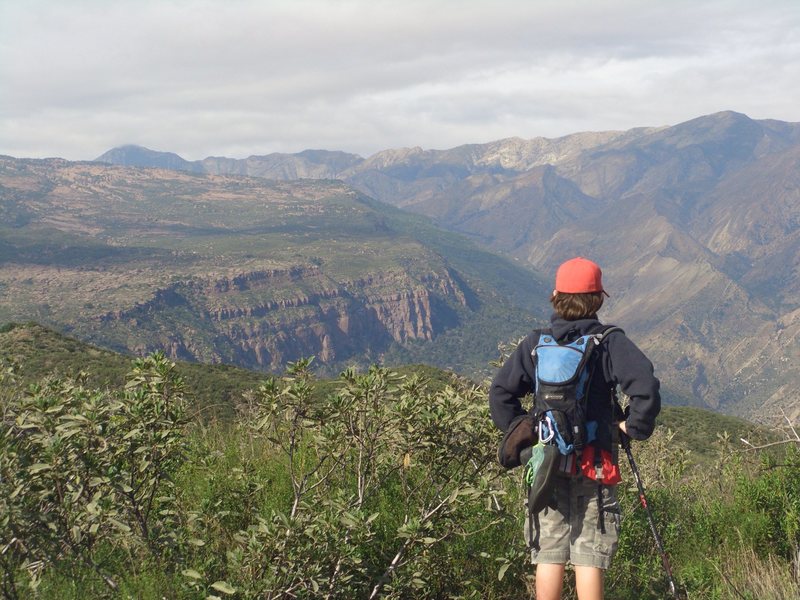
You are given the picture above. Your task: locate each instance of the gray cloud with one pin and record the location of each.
(249, 77)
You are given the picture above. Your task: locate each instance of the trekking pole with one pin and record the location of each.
(625, 441)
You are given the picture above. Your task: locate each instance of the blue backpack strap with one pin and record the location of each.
(545, 338)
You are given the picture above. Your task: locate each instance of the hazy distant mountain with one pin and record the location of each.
(137, 156)
(309, 164)
(513, 154)
(697, 226)
(313, 164)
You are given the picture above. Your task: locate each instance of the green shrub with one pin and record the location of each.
(87, 475)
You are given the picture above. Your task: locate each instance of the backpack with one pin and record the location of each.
(563, 374)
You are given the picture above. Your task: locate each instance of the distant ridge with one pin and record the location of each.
(308, 164)
(511, 154)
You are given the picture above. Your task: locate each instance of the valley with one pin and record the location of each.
(240, 270)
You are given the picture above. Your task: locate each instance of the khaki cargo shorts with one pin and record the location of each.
(571, 532)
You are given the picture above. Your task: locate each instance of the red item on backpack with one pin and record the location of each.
(608, 472)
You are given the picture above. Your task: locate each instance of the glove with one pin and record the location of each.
(521, 434)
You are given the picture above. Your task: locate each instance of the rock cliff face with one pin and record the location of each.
(259, 320)
(263, 318)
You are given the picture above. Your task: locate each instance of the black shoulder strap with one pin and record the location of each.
(599, 338)
(605, 331)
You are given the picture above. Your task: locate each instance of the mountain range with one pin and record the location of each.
(697, 227)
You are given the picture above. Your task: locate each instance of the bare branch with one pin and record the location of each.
(789, 431)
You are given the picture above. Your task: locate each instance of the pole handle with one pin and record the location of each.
(624, 440)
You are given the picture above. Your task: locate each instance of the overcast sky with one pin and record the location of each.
(241, 77)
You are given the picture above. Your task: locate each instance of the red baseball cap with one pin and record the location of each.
(579, 276)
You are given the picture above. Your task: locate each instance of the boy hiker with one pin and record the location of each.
(569, 439)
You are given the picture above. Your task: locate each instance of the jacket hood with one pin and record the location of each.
(563, 329)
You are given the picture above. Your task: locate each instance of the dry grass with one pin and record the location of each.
(747, 576)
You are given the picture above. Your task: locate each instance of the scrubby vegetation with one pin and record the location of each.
(383, 486)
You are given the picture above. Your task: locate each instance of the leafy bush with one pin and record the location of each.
(87, 475)
(382, 475)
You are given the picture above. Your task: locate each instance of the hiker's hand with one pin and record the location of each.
(623, 427)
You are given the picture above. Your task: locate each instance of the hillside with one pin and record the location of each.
(38, 352)
(697, 227)
(215, 389)
(245, 271)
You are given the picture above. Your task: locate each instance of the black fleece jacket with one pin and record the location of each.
(620, 363)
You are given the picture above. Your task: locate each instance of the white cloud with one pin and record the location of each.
(246, 76)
